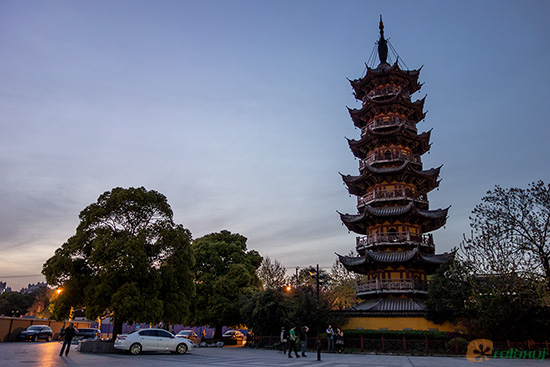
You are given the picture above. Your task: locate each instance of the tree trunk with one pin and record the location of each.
(218, 331)
(117, 328)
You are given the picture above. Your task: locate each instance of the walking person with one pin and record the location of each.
(339, 340)
(330, 338)
(284, 339)
(68, 336)
(303, 339)
(292, 341)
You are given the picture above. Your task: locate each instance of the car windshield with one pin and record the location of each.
(86, 330)
(34, 328)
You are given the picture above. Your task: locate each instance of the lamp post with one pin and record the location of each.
(316, 271)
(318, 326)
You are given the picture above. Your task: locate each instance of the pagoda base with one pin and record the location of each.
(394, 314)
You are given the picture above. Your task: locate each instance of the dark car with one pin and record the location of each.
(35, 332)
(233, 337)
(188, 334)
(88, 334)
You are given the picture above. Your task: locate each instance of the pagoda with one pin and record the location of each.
(395, 248)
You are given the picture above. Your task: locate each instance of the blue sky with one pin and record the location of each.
(236, 111)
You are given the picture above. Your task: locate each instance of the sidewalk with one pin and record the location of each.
(47, 354)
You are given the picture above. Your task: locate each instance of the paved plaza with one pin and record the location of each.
(44, 354)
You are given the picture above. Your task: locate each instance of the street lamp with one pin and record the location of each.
(315, 272)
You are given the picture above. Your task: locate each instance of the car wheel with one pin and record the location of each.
(135, 348)
(181, 348)
(49, 338)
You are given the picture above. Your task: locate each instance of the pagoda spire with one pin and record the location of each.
(382, 44)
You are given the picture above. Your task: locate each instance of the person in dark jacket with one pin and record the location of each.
(339, 340)
(284, 339)
(70, 333)
(303, 339)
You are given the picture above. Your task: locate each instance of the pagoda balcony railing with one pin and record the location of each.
(391, 286)
(393, 121)
(364, 242)
(384, 157)
(390, 195)
(385, 92)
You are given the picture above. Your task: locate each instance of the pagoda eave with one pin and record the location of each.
(425, 180)
(388, 74)
(388, 307)
(429, 220)
(399, 104)
(419, 144)
(373, 260)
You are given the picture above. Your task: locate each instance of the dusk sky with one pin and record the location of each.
(236, 112)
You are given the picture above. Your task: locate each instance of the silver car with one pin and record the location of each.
(152, 340)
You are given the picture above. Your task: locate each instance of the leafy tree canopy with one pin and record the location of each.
(272, 274)
(127, 258)
(224, 272)
(15, 303)
(265, 311)
(342, 286)
(498, 286)
(511, 232)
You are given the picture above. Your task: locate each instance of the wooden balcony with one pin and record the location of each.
(383, 195)
(368, 242)
(391, 122)
(391, 286)
(379, 157)
(385, 92)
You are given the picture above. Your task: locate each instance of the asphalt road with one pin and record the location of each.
(45, 354)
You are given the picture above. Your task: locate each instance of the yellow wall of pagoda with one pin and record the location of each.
(399, 323)
(385, 228)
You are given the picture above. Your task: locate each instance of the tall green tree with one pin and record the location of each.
(341, 285)
(449, 293)
(127, 259)
(272, 274)
(265, 311)
(514, 223)
(498, 285)
(224, 272)
(15, 303)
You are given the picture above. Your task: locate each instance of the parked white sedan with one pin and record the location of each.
(157, 340)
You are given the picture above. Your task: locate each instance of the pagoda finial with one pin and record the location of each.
(382, 44)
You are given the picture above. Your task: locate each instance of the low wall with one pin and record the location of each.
(11, 326)
(97, 346)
